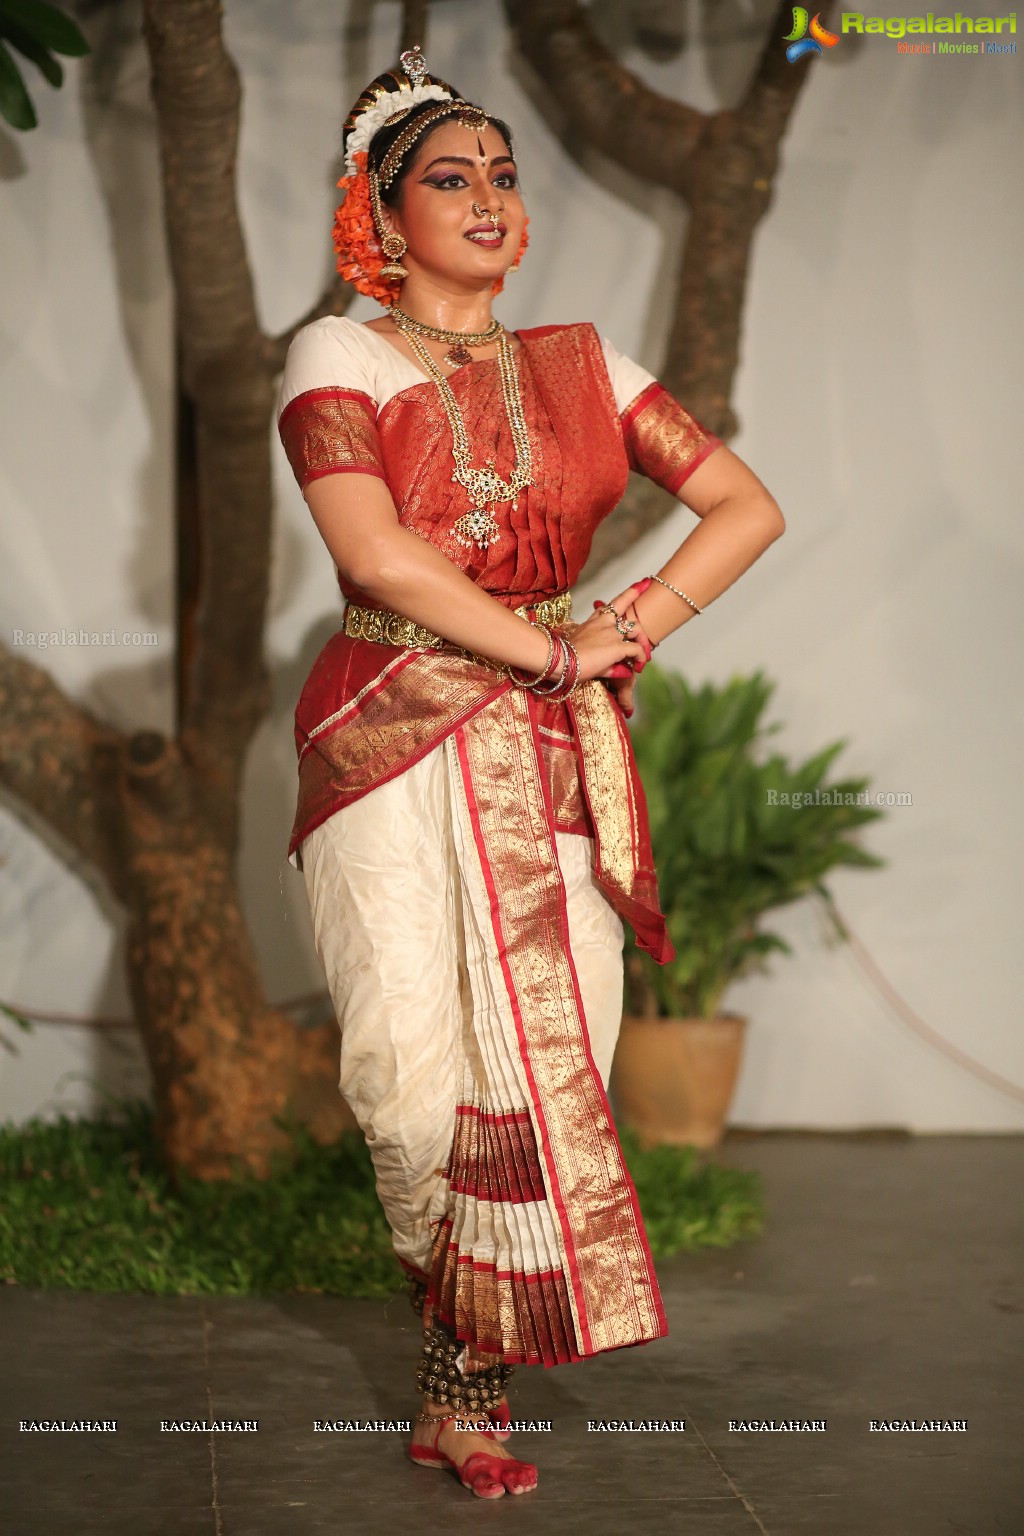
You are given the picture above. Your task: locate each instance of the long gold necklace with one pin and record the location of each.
(457, 354)
(484, 485)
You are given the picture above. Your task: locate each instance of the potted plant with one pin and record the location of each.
(736, 833)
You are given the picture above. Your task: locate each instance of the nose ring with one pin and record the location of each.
(482, 213)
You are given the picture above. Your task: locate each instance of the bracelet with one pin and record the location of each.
(555, 682)
(677, 592)
(569, 678)
(545, 670)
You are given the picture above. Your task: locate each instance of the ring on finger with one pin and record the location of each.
(624, 626)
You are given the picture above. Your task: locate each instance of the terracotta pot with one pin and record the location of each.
(672, 1080)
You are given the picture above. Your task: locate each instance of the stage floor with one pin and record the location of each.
(888, 1287)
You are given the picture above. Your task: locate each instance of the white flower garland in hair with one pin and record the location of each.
(376, 116)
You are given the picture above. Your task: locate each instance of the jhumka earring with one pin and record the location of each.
(392, 243)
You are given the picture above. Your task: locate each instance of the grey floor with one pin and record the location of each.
(888, 1285)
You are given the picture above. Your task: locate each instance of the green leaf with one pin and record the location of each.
(15, 103)
(32, 50)
(725, 856)
(49, 26)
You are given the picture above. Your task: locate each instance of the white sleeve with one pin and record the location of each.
(628, 378)
(327, 353)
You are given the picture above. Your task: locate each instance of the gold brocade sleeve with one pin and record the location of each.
(663, 441)
(331, 430)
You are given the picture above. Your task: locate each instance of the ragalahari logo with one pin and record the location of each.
(799, 43)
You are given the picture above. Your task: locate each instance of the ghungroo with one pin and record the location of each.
(417, 1294)
(440, 1377)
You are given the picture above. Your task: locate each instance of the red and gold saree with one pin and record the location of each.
(471, 849)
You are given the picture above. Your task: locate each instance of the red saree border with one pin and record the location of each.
(531, 1306)
(394, 720)
(660, 432)
(326, 392)
(494, 1157)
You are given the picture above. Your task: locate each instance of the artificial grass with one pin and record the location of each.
(85, 1205)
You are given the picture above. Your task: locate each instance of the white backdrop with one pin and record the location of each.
(880, 367)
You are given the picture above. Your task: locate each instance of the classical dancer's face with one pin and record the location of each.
(455, 168)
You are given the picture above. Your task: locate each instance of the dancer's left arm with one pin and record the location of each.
(739, 519)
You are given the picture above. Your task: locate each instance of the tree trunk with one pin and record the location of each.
(158, 817)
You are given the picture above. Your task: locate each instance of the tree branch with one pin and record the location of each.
(649, 134)
(57, 759)
(722, 164)
(415, 14)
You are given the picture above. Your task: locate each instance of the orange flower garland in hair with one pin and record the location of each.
(357, 243)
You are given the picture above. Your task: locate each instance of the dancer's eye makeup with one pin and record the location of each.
(454, 179)
(503, 172)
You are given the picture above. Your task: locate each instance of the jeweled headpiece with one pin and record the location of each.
(359, 229)
(390, 96)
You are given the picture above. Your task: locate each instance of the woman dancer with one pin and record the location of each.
(470, 824)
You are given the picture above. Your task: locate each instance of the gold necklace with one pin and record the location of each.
(457, 354)
(484, 485)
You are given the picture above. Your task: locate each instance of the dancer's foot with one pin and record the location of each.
(500, 1414)
(480, 1464)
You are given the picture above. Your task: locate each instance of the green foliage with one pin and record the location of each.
(689, 1202)
(727, 851)
(86, 1205)
(37, 31)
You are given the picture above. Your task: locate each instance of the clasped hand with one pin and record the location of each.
(605, 653)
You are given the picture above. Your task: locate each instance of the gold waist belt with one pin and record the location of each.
(395, 629)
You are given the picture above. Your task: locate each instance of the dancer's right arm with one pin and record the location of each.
(358, 521)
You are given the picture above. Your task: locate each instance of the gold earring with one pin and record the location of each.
(391, 242)
(394, 246)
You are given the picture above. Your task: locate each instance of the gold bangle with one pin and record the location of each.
(543, 671)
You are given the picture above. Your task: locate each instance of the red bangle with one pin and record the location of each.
(570, 676)
(562, 652)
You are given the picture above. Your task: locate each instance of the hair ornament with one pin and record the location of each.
(389, 96)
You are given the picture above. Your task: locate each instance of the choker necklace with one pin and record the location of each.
(484, 485)
(457, 354)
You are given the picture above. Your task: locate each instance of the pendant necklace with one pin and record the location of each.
(458, 353)
(484, 485)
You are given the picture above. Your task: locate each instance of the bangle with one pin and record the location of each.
(677, 592)
(570, 676)
(545, 670)
(555, 682)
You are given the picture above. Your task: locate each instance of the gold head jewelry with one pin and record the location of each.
(468, 117)
(389, 96)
